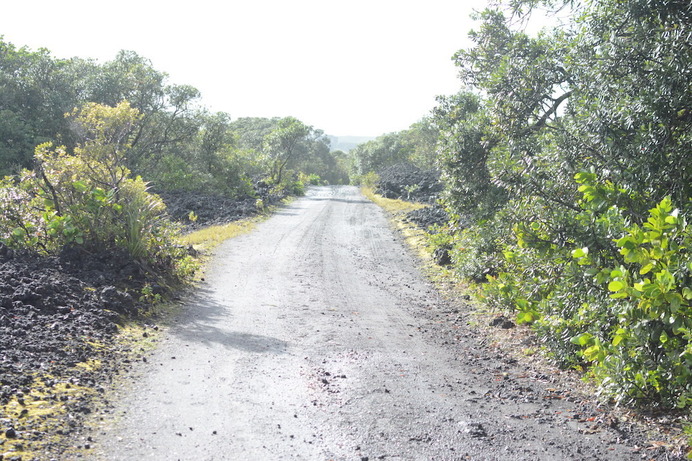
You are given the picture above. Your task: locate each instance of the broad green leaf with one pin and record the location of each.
(675, 300)
(616, 273)
(687, 293)
(582, 339)
(646, 269)
(80, 186)
(616, 285)
(592, 353)
(580, 252)
(525, 317)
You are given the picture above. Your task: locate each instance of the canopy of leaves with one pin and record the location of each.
(175, 142)
(560, 143)
(415, 145)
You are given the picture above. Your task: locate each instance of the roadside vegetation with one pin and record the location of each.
(570, 157)
(90, 152)
(91, 155)
(566, 161)
(566, 167)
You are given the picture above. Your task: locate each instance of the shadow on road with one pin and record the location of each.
(333, 199)
(198, 324)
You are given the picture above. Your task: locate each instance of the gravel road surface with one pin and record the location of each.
(316, 337)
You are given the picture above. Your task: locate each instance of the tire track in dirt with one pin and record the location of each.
(316, 337)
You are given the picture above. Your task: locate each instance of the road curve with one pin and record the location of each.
(315, 337)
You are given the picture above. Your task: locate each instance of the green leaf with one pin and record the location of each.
(675, 300)
(616, 285)
(80, 186)
(526, 317)
(580, 252)
(663, 338)
(582, 339)
(616, 273)
(687, 293)
(593, 353)
(646, 269)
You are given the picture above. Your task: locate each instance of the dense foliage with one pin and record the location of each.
(83, 144)
(570, 152)
(87, 198)
(176, 144)
(415, 145)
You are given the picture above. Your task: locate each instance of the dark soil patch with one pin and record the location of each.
(429, 216)
(408, 182)
(51, 307)
(210, 209)
(59, 316)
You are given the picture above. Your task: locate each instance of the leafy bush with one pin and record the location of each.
(296, 187)
(175, 174)
(368, 179)
(311, 179)
(618, 299)
(475, 252)
(648, 353)
(88, 198)
(604, 100)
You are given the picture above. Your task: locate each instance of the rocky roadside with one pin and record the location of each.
(62, 322)
(61, 318)
(408, 182)
(659, 433)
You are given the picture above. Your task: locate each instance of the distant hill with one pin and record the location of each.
(346, 143)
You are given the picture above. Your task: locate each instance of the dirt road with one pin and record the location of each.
(315, 337)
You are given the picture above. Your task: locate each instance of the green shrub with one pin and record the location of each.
(311, 179)
(88, 198)
(648, 354)
(600, 291)
(476, 252)
(369, 179)
(296, 188)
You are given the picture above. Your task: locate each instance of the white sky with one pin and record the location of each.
(348, 67)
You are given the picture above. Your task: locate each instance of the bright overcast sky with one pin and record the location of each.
(348, 67)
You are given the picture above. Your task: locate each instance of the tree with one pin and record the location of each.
(105, 135)
(35, 91)
(464, 145)
(416, 145)
(252, 131)
(129, 77)
(285, 145)
(422, 138)
(586, 132)
(383, 151)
